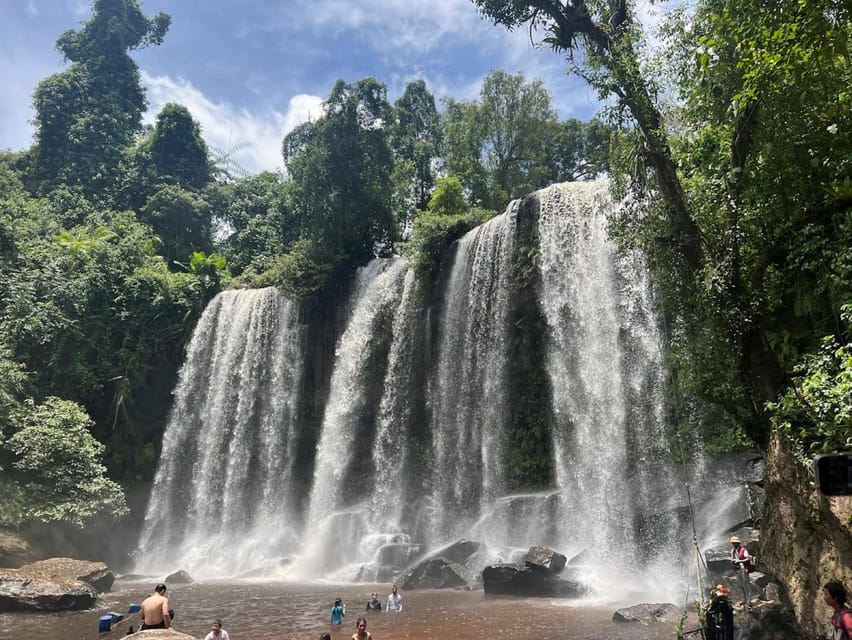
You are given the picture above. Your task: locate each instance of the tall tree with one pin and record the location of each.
(87, 115)
(341, 167)
(415, 140)
(762, 158)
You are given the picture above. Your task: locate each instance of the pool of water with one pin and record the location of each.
(284, 611)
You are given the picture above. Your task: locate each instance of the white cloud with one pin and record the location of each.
(31, 9)
(388, 24)
(225, 126)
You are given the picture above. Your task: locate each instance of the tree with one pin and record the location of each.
(87, 115)
(448, 198)
(57, 464)
(341, 167)
(178, 153)
(182, 219)
(415, 140)
(735, 194)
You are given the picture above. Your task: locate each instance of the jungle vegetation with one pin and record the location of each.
(736, 143)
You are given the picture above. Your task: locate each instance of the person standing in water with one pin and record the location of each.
(361, 633)
(394, 601)
(217, 632)
(338, 612)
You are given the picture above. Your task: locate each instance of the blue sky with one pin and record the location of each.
(251, 70)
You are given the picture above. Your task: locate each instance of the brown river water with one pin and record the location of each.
(284, 611)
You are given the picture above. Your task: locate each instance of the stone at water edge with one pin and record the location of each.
(459, 552)
(648, 613)
(96, 574)
(522, 580)
(434, 573)
(20, 591)
(161, 634)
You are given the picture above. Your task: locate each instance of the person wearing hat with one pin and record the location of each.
(154, 610)
(742, 565)
(719, 615)
(374, 604)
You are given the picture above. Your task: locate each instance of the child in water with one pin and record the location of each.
(361, 633)
(338, 611)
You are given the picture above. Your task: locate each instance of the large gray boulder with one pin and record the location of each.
(434, 573)
(179, 577)
(459, 552)
(523, 580)
(95, 574)
(648, 613)
(24, 591)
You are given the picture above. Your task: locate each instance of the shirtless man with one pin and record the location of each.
(155, 610)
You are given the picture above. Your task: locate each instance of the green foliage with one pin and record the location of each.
(87, 115)
(57, 466)
(303, 271)
(433, 234)
(815, 413)
(341, 170)
(448, 198)
(182, 219)
(416, 141)
(176, 151)
(259, 220)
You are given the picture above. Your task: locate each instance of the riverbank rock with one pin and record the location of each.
(522, 580)
(766, 622)
(648, 613)
(434, 573)
(161, 634)
(95, 574)
(23, 591)
(458, 552)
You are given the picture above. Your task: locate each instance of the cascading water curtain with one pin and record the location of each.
(221, 502)
(617, 487)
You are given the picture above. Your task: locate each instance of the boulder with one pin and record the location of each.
(179, 577)
(522, 580)
(458, 552)
(22, 591)
(648, 613)
(95, 574)
(545, 559)
(767, 622)
(162, 634)
(434, 573)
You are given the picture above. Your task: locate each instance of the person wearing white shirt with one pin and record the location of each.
(394, 601)
(218, 633)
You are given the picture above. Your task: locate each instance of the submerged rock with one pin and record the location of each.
(434, 573)
(522, 580)
(162, 634)
(179, 577)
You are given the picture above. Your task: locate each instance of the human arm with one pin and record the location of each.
(167, 618)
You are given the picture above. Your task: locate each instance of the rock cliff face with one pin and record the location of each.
(806, 537)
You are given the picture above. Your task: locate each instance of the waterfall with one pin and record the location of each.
(337, 518)
(222, 496)
(607, 371)
(413, 443)
(468, 412)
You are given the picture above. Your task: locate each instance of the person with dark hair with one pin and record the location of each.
(338, 612)
(217, 632)
(834, 595)
(361, 633)
(374, 604)
(154, 610)
(325, 636)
